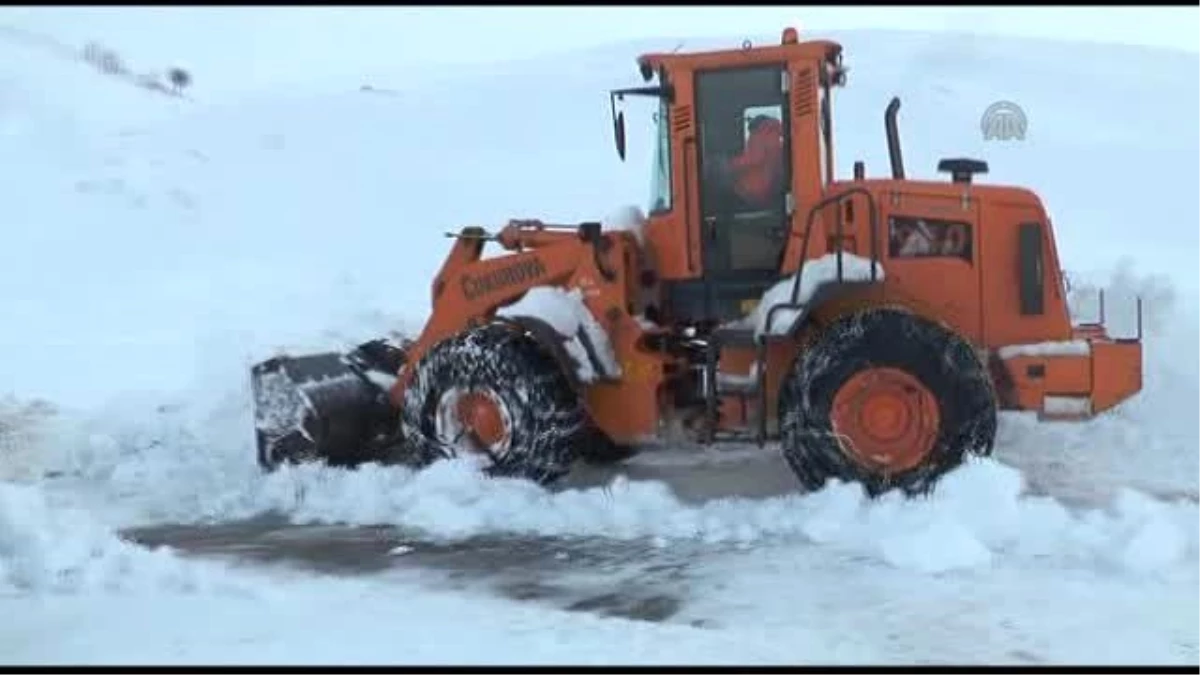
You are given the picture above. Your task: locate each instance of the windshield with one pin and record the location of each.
(660, 179)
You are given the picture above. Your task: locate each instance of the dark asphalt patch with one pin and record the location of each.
(635, 580)
(631, 579)
(654, 608)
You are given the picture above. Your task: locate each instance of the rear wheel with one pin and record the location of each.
(887, 399)
(494, 393)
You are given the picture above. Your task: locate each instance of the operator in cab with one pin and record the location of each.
(756, 174)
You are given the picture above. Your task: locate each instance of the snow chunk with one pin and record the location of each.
(566, 312)
(941, 545)
(1067, 405)
(1159, 534)
(1067, 348)
(814, 273)
(382, 380)
(43, 548)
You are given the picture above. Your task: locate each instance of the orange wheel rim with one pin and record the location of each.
(482, 420)
(886, 419)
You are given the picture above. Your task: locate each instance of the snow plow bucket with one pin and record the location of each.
(329, 407)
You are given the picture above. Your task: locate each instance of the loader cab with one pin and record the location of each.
(743, 172)
(736, 148)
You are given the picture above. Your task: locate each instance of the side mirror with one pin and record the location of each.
(619, 134)
(618, 118)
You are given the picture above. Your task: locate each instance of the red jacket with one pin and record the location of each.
(760, 166)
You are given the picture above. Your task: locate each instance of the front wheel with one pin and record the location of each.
(493, 393)
(887, 399)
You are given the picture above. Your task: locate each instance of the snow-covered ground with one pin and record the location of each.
(154, 248)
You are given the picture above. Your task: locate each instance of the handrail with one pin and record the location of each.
(808, 226)
(1101, 322)
(761, 351)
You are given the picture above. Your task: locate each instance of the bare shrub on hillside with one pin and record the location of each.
(179, 78)
(104, 59)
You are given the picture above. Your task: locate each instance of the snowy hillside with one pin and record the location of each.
(154, 248)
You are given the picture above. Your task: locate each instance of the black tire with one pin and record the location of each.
(940, 360)
(546, 422)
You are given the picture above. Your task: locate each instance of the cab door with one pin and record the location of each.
(743, 232)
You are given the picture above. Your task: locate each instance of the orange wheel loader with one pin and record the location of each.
(871, 327)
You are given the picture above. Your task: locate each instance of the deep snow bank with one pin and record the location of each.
(44, 548)
(197, 237)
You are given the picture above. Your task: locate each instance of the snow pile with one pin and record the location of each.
(567, 314)
(813, 275)
(1046, 349)
(141, 460)
(43, 548)
(27, 431)
(1149, 442)
(979, 514)
(1111, 297)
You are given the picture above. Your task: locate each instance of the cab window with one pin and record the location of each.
(911, 237)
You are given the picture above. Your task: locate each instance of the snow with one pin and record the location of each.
(629, 219)
(1046, 349)
(63, 550)
(732, 381)
(567, 314)
(1067, 405)
(366, 625)
(981, 507)
(281, 405)
(814, 273)
(382, 380)
(22, 427)
(156, 247)
(997, 550)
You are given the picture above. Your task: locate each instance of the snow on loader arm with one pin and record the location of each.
(500, 387)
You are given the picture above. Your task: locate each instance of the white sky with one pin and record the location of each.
(265, 44)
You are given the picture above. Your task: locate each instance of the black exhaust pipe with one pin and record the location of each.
(893, 138)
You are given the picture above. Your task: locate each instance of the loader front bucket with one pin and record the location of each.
(328, 407)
